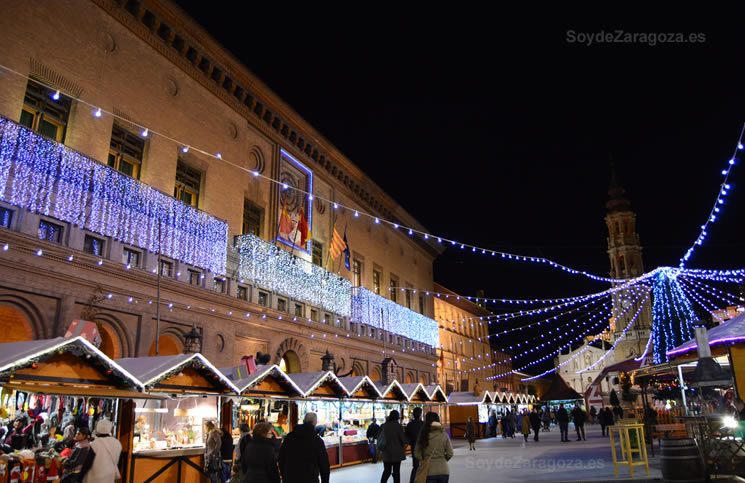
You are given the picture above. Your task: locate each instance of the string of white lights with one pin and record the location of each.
(725, 297)
(705, 304)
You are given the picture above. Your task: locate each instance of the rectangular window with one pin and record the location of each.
(218, 285)
(166, 268)
(282, 305)
(6, 217)
(421, 304)
(317, 248)
(188, 182)
(42, 113)
(377, 278)
(263, 298)
(195, 277)
(242, 293)
(93, 245)
(327, 319)
(314, 315)
(299, 310)
(253, 218)
(131, 258)
(356, 273)
(50, 232)
(372, 332)
(125, 151)
(407, 294)
(394, 289)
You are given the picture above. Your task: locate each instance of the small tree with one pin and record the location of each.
(614, 398)
(626, 394)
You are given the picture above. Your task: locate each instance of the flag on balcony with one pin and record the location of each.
(285, 222)
(303, 228)
(346, 249)
(337, 244)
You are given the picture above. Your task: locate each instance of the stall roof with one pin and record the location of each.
(414, 389)
(436, 393)
(671, 368)
(394, 386)
(310, 382)
(16, 356)
(731, 331)
(559, 390)
(152, 371)
(466, 398)
(262, 372)
(355, 384)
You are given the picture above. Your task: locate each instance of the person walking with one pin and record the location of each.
(546, 418)
(372, 435)
(525, 426)
(243, 440)
(617, 413)
(602, 419)
(392, 446)
(505, 426)
(563, 418)
(471, 434)
(593, 414)
(609, 419)
(212, 454)
(105, 467)
(535, 423)
(303, 456)
(226, 452)
(412, 433)
(258, 460)
(579, 416)
(513, 423)
(433, 443)
(493, 424)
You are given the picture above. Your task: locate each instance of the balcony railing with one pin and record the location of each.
(277, 270)
(46, 177)
(379, 312)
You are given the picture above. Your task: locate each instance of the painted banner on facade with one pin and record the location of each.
(294, 201)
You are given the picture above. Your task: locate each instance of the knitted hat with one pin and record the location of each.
(104, 426)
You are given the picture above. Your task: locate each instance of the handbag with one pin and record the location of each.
(214, 463)
(381, 441)
(422, 471)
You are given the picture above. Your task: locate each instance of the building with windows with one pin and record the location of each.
(141, 162)
(466, 357)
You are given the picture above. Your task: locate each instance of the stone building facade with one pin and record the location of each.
(187, 120)
(466, 356)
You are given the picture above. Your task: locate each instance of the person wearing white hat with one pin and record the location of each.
(105, 468)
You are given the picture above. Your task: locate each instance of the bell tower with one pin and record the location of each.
(625, 253)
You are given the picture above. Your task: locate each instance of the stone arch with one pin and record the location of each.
(256, 160)
(171, 343)
(297, 347)
(410, 377)
(290, 362)
(114, 337)
(423, 379)
(376, 374)
(358, 369)
(25, 309)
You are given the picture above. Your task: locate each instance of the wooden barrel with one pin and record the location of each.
(681, 461)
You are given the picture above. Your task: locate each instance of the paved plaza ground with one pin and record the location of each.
(506, 460)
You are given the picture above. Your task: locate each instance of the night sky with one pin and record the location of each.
(498, 133)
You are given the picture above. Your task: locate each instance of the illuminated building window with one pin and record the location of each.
(43, 114)
(131, 257)
(50, 232)
(188, 182)
(93, 245)
(253, 218)
(125, 151)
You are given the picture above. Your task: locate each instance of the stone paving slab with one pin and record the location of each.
(506, 460)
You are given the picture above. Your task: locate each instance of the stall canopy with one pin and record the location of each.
(267, 381)
(65, 366)
(466, 398)
(436, 394)
(392, 392)
(559, 390)
(182, 373)
(360, 387)
(416, 392)
(731, 331)
(319, 384)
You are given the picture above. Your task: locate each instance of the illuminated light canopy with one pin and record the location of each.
(279, 271)
(45, 177)
(672, 314)
(379, 312)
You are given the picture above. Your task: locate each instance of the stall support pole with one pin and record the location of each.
(125, 434)
(226, 414)
(682, 389)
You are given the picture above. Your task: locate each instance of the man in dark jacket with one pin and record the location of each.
(303, 457)
(563, 418)
(412, 433)
(226, 451)
(393, 447)
(578, 415)
(535, 423)
(372, 434)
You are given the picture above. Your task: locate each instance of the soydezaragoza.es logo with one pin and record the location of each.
(623, 37)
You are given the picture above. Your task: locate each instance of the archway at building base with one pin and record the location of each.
(290, 363)
(293, 354)
(169, 345)
(14, 326)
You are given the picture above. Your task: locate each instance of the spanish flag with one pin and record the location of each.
(337, 245)
(285, 222)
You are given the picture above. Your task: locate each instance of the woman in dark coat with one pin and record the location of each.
(258, 460)
(393, 448)
(471, 434)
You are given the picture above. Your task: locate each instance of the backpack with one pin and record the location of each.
(381, 440)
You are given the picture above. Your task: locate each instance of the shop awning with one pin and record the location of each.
(319, 384)
(731, 331)
(436, 394)
(392, 392)
(416, 392)
(467, 398)
(267, 381)
(360, 387)
(179, 374)
(64, 366)
(559, 390)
